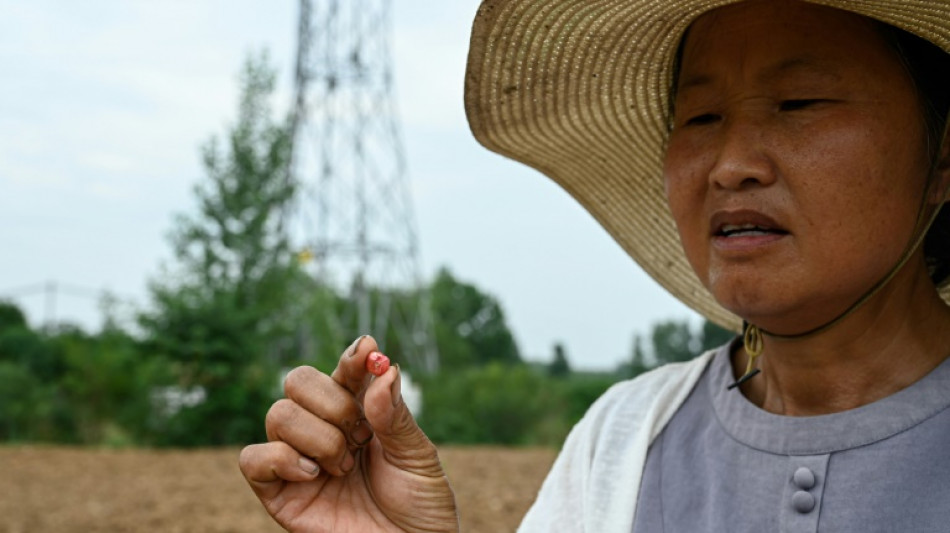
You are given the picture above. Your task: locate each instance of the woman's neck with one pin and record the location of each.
(888, 344)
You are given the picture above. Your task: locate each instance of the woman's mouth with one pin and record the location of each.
(747, 230)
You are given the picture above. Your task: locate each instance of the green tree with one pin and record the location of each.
(11, 317)
(318, 339)
(107, 384)
(32, 405)
(559, 366)
(637, 364)
(21, 399)
(713, 336)
(470, 327)
(672, 342)
(494, 403)
(219, 317)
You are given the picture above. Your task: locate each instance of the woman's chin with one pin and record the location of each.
(743, 295)
(766, 306)
(778, 317)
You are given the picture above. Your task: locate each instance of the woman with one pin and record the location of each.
(798, 152)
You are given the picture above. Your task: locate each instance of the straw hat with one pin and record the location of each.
(579, 89)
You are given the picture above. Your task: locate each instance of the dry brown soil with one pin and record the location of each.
(53, 489)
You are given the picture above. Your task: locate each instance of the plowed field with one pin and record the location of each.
(51, 489)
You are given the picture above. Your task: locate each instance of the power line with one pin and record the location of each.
(51, 291)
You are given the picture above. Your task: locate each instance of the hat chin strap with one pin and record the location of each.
(752, 335)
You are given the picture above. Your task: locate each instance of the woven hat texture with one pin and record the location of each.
(579, 90)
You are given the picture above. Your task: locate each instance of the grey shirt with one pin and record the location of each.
(724, 465)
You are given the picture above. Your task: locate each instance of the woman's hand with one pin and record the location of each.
(345, 455)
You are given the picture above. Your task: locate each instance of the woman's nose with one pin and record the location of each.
(742, 157)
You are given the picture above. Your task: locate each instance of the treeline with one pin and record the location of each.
(203, 363)
(516, 403)
(112, 388)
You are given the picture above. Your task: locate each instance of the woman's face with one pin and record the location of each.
(797, 160)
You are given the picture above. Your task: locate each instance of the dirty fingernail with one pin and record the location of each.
(308, 466)
(356, 344)
(396, 388)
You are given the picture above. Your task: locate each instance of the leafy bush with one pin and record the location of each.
(18, 402)
(506, 404)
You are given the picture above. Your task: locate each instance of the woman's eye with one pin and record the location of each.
(795, 105)
(699, 120)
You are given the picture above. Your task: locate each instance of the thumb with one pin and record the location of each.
(403, 442)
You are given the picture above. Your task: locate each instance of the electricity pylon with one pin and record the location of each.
(355, 214)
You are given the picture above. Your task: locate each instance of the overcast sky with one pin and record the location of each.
(103, 108)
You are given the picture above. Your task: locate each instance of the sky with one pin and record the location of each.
(104, 105)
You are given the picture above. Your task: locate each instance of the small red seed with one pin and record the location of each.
(377, 363)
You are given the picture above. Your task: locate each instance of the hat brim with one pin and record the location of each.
(579, 90)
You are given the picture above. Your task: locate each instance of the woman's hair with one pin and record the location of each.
(929, 68)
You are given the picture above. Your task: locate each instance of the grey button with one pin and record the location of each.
(804, 478)
(803, 502)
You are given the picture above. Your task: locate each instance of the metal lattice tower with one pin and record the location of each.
(355, 214)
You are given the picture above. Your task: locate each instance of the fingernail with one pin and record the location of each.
(396, 388)
(361, 433)
(356, 344)
(348, 462)
(308, 466)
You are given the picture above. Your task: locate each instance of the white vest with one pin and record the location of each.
(595, 481)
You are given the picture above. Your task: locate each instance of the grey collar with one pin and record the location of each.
(817, 435)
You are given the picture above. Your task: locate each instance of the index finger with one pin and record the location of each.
(351, 371)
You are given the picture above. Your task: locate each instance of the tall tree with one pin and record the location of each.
(29, 371)
(219, 315)
(638, 363)
(672, 342)
(559, 366)
(470, 326)
(713, 336)
(11, 316)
